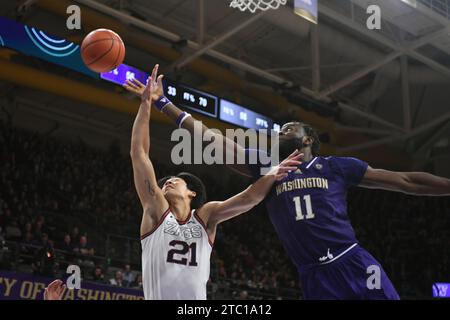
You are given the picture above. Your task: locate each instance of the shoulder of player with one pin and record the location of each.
(206, 212)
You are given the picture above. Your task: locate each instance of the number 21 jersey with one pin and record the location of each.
(176, 259)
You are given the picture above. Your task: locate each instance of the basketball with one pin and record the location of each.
(102, 50)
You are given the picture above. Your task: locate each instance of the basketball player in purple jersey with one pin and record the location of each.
(308, 210)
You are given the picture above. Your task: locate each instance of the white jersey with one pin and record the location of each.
(176, 259)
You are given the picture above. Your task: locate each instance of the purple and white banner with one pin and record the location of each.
(441, 290)
(21, 286)
(307, 9)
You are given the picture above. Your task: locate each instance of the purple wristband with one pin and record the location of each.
(161, 103)
(181, 118)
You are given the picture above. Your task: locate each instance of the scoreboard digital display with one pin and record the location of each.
(243, 117)
(123, 73)
(190, 98)
(180, 95)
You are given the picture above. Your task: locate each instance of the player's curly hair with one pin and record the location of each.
(194, 184)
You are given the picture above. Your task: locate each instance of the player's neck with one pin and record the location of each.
(181, 209)
(307, 155)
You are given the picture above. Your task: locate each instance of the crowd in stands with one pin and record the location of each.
(60, 200)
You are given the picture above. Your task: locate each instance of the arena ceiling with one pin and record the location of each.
(390, 85)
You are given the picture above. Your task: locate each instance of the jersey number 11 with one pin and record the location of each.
(298, 208)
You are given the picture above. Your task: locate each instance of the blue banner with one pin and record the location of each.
(307, 9)
(21, 286)
(34, 42)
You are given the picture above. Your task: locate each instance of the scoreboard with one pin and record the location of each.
(198, 101)
(240, 116)
(191, 98)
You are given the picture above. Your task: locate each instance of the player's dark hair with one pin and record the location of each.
(194, 184)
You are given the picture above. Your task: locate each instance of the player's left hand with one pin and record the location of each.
(55, 290)
(289, 164)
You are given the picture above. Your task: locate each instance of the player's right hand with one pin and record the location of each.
(291, 163)
(55, 290)
(138, 88)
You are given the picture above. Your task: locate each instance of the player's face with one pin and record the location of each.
(291, 137)
(291, 130)
(175, 187)
(173, 184)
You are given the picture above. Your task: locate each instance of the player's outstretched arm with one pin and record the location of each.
(188, 122)
(55, 290)
(414, 183)
(215, 212)
(152, 199)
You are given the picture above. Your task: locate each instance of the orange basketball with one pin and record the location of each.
(102, 50)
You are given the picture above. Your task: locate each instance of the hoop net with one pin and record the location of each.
(253, 5)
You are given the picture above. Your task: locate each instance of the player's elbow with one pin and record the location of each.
(136, 152)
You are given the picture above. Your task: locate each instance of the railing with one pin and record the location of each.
(20, 256)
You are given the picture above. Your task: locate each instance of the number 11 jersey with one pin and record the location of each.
(176, 259)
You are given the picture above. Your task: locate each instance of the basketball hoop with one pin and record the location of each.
(253, 5)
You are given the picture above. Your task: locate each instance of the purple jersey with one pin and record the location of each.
(308, 209)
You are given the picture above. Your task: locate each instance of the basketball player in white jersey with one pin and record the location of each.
(178, 228)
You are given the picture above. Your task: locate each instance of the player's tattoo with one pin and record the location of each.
(151, 189)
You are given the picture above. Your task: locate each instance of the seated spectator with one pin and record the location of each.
(28, 228)
(28, 243)
(83, 247)
(13, 232)
(84, 251)
(243, 295)
(117, 280)
(137, 283)
(75, 234)
(66, 245)
(128, 275)
(98, 275)
(44, 263)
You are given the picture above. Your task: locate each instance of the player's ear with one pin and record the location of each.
(192, 193)
(308, 141)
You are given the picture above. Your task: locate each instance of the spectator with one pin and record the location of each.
(13, 232)
(84, 247)
(137, 283)
(84, 252)
(128, 275)
(66, 245)
(117, 280)
(44, 260)
(243, 295)
(75, 234)
(98, 275)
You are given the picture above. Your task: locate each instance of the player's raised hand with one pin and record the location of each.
(138, 88)
(55, 290)
(154, 88)
(289, 164)
(134, 86)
